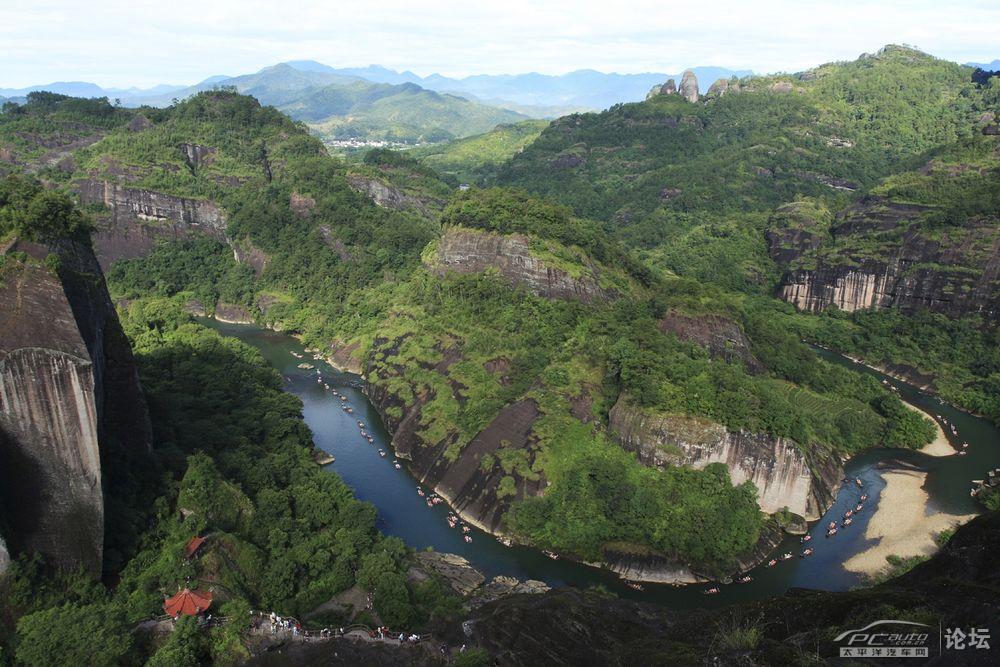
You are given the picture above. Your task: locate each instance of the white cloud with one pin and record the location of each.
(114, 42)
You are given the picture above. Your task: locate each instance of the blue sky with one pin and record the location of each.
(123, 43)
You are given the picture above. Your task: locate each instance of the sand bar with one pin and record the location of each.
(901, 523)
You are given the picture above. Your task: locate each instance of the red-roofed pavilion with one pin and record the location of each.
(188, 603)
(193, 545)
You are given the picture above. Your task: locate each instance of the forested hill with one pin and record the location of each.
(755, 143)
(867, 187)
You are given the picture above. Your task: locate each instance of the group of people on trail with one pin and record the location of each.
(279, 624)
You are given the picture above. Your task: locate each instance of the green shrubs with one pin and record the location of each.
(34, 213)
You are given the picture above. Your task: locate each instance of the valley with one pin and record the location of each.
(405, 514)
(637, 346)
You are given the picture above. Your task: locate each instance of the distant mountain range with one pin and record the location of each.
(374, 104)
(87, 89)
(580, 90)
(992, 67)
(533, 94)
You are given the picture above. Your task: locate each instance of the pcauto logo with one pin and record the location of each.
(889, 639)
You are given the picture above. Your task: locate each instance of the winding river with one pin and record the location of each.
(403, 513)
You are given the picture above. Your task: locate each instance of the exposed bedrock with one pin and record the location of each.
(470, 485)
(721, 336)
(138, 219)
(897, 283)
(783, 476)
(689, 86)
(955, 271)
(68, 391)
(387, 196)
(4, 556)
(471, 251)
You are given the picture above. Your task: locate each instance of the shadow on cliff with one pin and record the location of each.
(21, 498)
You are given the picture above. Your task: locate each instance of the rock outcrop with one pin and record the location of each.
(387, 196)
(232, 313)
(456, 474)
(245, 252)
(570, 626)
(138, 219)
(719, 88)
(458, 574)
(721, 336)
(68, 391)
(651, 568)
(689, 86)
(955, 272)
(668, 88)
(471, 251)
(197, 156)
(784, 477)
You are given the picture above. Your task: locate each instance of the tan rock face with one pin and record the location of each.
(719, 88)
(471, 251)
(65, 385)
(139, 219)
(459, 574)
(232, 313)
(777, 468)
(953, 274)
(4, 556)
(668, 88)
(245, 252)
(197, 155)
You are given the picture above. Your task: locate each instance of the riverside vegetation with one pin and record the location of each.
(665, 204)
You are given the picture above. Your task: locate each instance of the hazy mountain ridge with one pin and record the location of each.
(584, 88)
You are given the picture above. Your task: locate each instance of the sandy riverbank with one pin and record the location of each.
(940, 445)
(901, 523)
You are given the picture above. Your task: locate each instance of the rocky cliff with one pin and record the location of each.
(783, 476)
(721, 336)
(471, 251)
(388, 196)
(138, 219)
(460, 477)
(875, 256)
(68, 391)
(4, 556)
